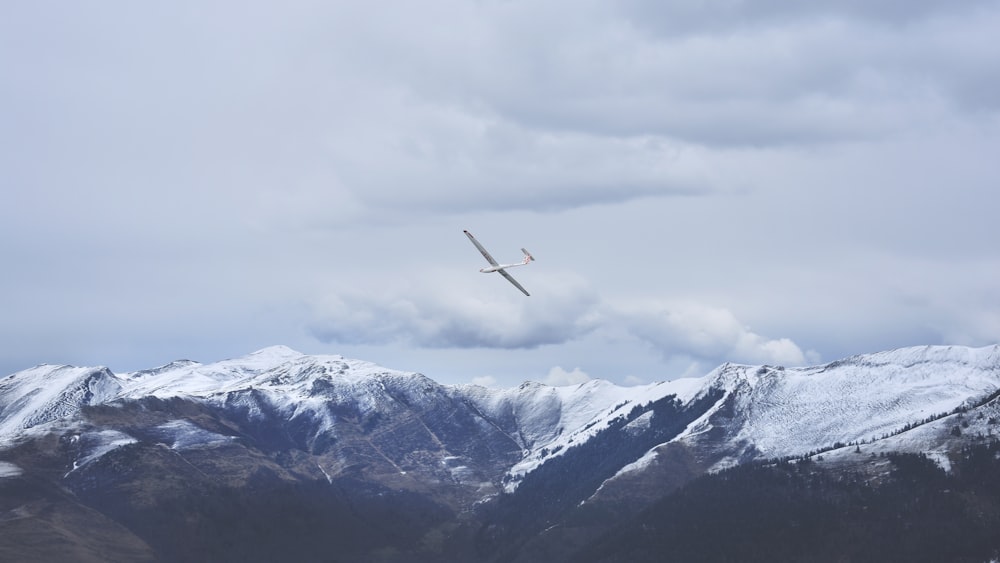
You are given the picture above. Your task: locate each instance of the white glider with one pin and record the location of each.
(495, 267)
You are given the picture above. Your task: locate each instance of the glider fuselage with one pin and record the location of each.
(497, 268)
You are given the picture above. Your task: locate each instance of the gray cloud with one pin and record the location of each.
(721, 16)
(347, 107)
(428, 318)
(814, 82)
(702, 182)
(780, 74)
(566, 313)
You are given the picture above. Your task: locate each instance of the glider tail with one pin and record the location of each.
(527, 256)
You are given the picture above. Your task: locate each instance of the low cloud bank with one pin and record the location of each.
(430, 320)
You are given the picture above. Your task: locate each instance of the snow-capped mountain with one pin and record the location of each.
(772, 411)
(278, 418)
(785, 412)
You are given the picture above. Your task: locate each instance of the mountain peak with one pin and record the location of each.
(277, 351)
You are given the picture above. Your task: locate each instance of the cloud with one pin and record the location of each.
(426, 317)
(559, 313)
(326, 113)
(634, 380)
(457, 159)
(744, 74)
(558, 377)
(725, 16)
(485, 381)
(702, 331)
(814, 83)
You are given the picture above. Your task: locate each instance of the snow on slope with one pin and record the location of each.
(784, 412)
(277, 368)
(95, 444)
(44, 394)
(551, 419)
(293, 383)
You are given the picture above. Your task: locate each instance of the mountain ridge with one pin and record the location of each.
(478, 458)
(536, 416)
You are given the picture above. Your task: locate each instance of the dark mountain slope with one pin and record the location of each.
(804, 512)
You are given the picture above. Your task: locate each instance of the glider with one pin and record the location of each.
(495, 267)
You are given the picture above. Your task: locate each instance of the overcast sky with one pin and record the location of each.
(756, 181)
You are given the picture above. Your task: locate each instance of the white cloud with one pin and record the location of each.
(434, 317)
(634, 380)
(702, 331)
(562, 311)
(485, 381)
(558, 377)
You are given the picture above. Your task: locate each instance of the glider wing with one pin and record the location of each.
(484, 253)
(513, 281)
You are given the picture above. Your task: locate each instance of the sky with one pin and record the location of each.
(753, 181)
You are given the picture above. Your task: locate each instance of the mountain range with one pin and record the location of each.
(282, 455)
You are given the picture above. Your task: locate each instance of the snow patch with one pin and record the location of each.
(640, 464)
(941, 459)
(8, 469)
(183, 435)
(640, 424)
(97, 444)
(325, 474)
